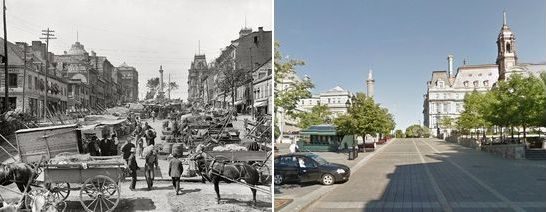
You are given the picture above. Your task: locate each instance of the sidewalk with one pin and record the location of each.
(304, 196)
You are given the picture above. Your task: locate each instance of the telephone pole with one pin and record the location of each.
(6, 97)
(48, 36)
(169, 85)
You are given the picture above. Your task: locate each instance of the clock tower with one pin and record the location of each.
(506, 55)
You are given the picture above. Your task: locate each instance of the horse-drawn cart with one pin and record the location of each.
(99, 179)
(99, 176)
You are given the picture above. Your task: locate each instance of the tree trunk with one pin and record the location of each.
(524, 135)
(512, 132)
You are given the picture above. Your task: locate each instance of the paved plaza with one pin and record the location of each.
(432, 175)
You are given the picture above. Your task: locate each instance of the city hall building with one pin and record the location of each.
(446, 89)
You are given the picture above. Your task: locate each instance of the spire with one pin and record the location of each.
(504, 18)
(77, 36)
(370, 75)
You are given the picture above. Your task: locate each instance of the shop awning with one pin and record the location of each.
(260, 104)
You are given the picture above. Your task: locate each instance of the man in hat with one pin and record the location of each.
(175, 171)
(126, 150)
(133, 167)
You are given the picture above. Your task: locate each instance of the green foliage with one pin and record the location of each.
(475, 104)
(518, 101)
(365, 117)
(417, 131)
(319, 114)
(447, 122)
(399, 134)
(285, 70)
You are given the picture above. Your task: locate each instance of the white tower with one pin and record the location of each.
(506, 45)
(160, 93)
(370, 84)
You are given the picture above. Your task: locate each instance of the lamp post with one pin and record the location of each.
(352, 153)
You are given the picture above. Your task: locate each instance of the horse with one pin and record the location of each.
(215, 171)
(18, 173)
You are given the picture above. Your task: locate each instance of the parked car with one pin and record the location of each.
(308, 167)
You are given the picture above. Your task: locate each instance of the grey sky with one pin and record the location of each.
(143, 33)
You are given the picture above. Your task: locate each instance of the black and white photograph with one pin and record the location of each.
(136, 105)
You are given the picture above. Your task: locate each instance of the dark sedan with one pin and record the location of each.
(308, 167)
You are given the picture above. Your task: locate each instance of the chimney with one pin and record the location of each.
(93, 53)
(261, 29)
(450, 65)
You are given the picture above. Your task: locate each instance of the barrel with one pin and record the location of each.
(167, 148)
(178, 149)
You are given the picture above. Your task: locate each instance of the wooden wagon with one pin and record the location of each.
(99, 178)
(100, 182)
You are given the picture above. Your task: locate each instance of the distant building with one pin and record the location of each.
(196, 73)
(446, 90)
(27, 81)
(336, 99)
(262, 89)
(129, 83)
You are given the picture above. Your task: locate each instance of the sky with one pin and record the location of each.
(143, 33)
(402, 42)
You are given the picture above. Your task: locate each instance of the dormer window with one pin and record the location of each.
(476, 84)
(465, 83)
(486, 83)
(440, 84)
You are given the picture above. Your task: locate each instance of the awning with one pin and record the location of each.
(260, 104)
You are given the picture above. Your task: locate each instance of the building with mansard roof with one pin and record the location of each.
(446, 90)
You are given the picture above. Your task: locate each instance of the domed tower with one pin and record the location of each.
(506, 45)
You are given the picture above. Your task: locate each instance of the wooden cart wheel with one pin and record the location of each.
(60, 191)
(99, 193)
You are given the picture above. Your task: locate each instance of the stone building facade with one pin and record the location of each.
(446, 90)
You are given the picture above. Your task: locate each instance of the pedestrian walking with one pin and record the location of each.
(294, 147)
(140, 146)
(175, 171)
(133, 167)
(150, 137)
(126, 150)
(150, 165)
(153, 115)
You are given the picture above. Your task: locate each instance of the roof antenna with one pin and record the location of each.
(245, 21)
(199, 47)
(77, 36)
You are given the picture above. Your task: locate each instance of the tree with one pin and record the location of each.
(232, 76)
(319, 114)
(417, 131)
(152, 83)
(285, 72)
(447, 122)
(520, 101)
(364, 117)
(399, 134)
(475, 107)
(172, 86)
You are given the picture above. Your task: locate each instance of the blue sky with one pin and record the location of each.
(401, 41)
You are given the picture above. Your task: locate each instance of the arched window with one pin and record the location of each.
(465, 83)
(508, 47)
(476, 84)
(486, 83)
